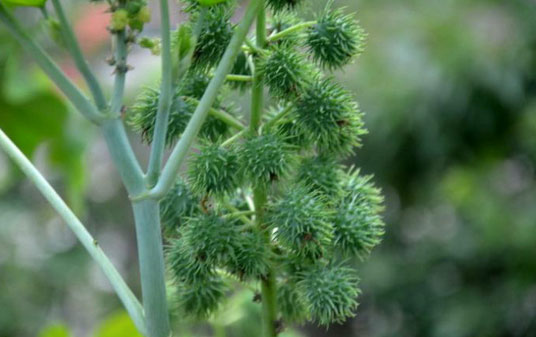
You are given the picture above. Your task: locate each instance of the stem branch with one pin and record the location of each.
(164, 102)
(176, 159)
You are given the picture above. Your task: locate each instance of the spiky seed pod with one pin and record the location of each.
(330, 117)
(335, 39)
(358, 226)
(214, 37)
(331, 293)
(301, 220)
(178, 204)
(213, 171)
(142, 115)
(321, 174)
(290, 302)
(202, 298)
(184, 266)
(194, 84)
(285, 72)
(265, 159)
(252, 257)
(280, 5)
(211, 238)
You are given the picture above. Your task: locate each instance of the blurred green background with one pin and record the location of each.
(449, 92)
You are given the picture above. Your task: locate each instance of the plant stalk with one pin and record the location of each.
(152, 272)
(129, 300)
(268, 285)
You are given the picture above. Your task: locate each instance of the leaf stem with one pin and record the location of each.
(239, 78)
(73, 93)
(79, 60)
(221, 115)
(124, 293)
(178, 154)
(290, 30)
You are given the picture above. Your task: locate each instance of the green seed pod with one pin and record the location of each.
(290, 302)
(301, 220)
(265, 159)
(358, 226)
(285, 72)
(335, 39)
(142, 115)
(252, 257)
(178, 204)
(211, 238)
(184, 266)
(213, 171)
(331, 293)
(280, 5)
(214, 37)
(194, 84)
(321, 174)
(330, 117)
(202, 298)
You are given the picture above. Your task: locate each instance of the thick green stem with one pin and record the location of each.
(73, 93)
(151, 260)
(79, 60)
(124, 293)
(164, 101)
(176, 158)
(268, 284)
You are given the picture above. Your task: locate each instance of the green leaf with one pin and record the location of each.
(30, 3)
(55, 330)
(118, 325)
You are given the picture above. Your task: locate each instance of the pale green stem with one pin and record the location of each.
(221, 115)
(235, 137)
(152, 272)
(124, 293)
(71, 91)
(79, 60)
(121, 52)
(268, 286)
(282, 114)
(290, 30)
(164, 101)
(180, 151)
(239, 78)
